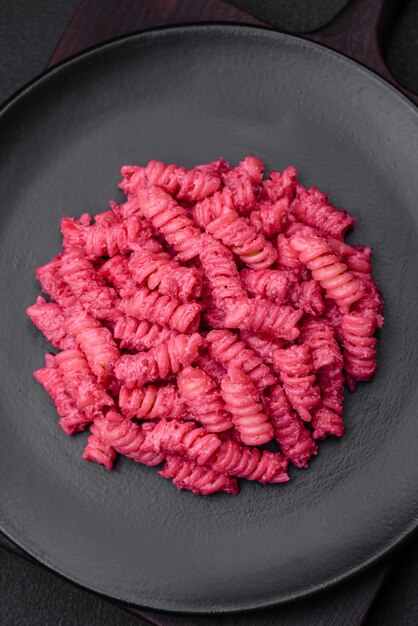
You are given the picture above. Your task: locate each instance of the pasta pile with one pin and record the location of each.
(211, 313)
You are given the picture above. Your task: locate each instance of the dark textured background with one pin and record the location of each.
(29, 32)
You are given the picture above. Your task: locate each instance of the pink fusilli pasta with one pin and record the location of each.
(162, 310)
(138, 336)
(226, 347)
(274, 284)
(210, 311)
(359, 347)
(243, 182)
(243, 402)
(312, 207)
(333, 276)
(220, 270)
(181, 437)
(270, 219)
(50, 319)
(290, 431)
(95, 341)
(72, 419)
(243, 239)
(159, 362)
(308, 296)
(82, 386)
(100, 452)
(298, 379)
(204, 481)
(208, 209)
(320, 339)
(280, 185)
(158, 271)
(151, 402)
(191, 185)
(171, 221)
(105, 239)
(126, 437)
(264, 347)
(99, 300)
(287, 256)
(233, 459)
(204, 399)
(116, 273)
(53, 284)
(326, 423)
(259, 315)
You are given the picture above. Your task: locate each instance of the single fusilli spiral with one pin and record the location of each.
(116, 273)
(287, 256)
(226, 347)
(162, 310)
(98, 451)
(274, 284)
(326, 423)
(233, 459)
(88, 395)
(268, 218)
(158, 271)
(312, 207)
(298, 379)
(99, 300)
(243, 239)
(290, 431)
(199, 479)
(260, 315)
(220, 270)
(53, 284)
(140, 335)
(72, 419)
(157, 363)
(204, 399)
(171, 221)
(208, 209)
(108, 239)
(180, 437)
(327, 420)
(190, 185)
(243, 181)
(126, 437)
(333, 276)
(320, 339)
(49, 317)
(243, 402)
(371, 299)
(308, 296)
(359, 347)
(151, 402)
(96, 341)
(263, 347)
(280, 185)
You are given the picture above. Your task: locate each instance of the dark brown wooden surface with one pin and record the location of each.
(98, 20)
(357, 31)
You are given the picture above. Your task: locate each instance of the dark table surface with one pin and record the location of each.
(31, 595)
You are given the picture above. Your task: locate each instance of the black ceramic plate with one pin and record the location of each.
(190, 95)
